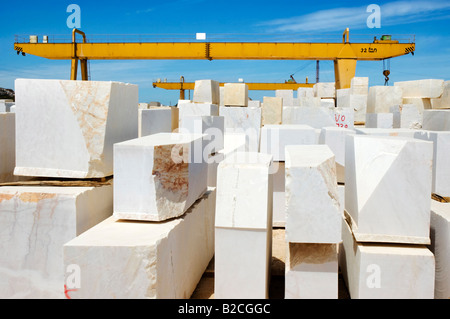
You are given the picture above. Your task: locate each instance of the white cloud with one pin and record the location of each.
(392, 13)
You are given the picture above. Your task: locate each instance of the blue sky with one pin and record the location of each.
(428, 21)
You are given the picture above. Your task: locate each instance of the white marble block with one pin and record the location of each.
(158, 177)
(309, 101)
(79, 122)
(388, 188)
(325, 90)
(213, 165)
(274, 138)
(305, 92)
(381, 98)
(196, 109)
(328, 103)
(243, 233)
(420, 103)
(430, 88)
(7, 147)
(395, 132)
(35, 223)
(235, 94)
(356, 102)
(344, 117)
(436, 120)
(316, 117)
(441, 156)
(359, 86)
(335, 138)
(244, 120)
(158, 120)
(272, 110)
(206, 91)
(379, 120)
(442, 102)
(134, 260)
(386, 271)
(312, 202)
(254, 103)
(406, 116)
(311, 271)
(287, 96)
(440, 246)
(212, 126)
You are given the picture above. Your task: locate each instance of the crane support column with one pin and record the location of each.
(344, 71)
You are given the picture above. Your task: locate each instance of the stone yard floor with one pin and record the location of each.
(205, 288)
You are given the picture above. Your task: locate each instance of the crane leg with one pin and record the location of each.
(344, 71)
(74, 69)
(84, 70)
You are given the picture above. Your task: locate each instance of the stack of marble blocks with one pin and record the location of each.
(79, 122)
(160, 197)
(355, 97)
(313, 223)
(387, 218)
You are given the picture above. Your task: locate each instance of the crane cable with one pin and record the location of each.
(386, 71)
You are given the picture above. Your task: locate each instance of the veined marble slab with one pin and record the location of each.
(35, 223)
(79, 122)
(158, 177)
(388, 188)
(136, 260)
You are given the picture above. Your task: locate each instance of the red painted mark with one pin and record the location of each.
(66, 291)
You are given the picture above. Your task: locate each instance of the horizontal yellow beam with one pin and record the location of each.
(217, 50)
(251, 86)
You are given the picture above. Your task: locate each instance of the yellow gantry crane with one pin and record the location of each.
(345, 54)
(183, 86)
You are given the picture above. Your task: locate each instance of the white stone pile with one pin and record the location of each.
(154, 194)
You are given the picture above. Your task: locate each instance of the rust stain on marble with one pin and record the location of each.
(35, 197)
(172, 174)
(89, 103)
(6, 197)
